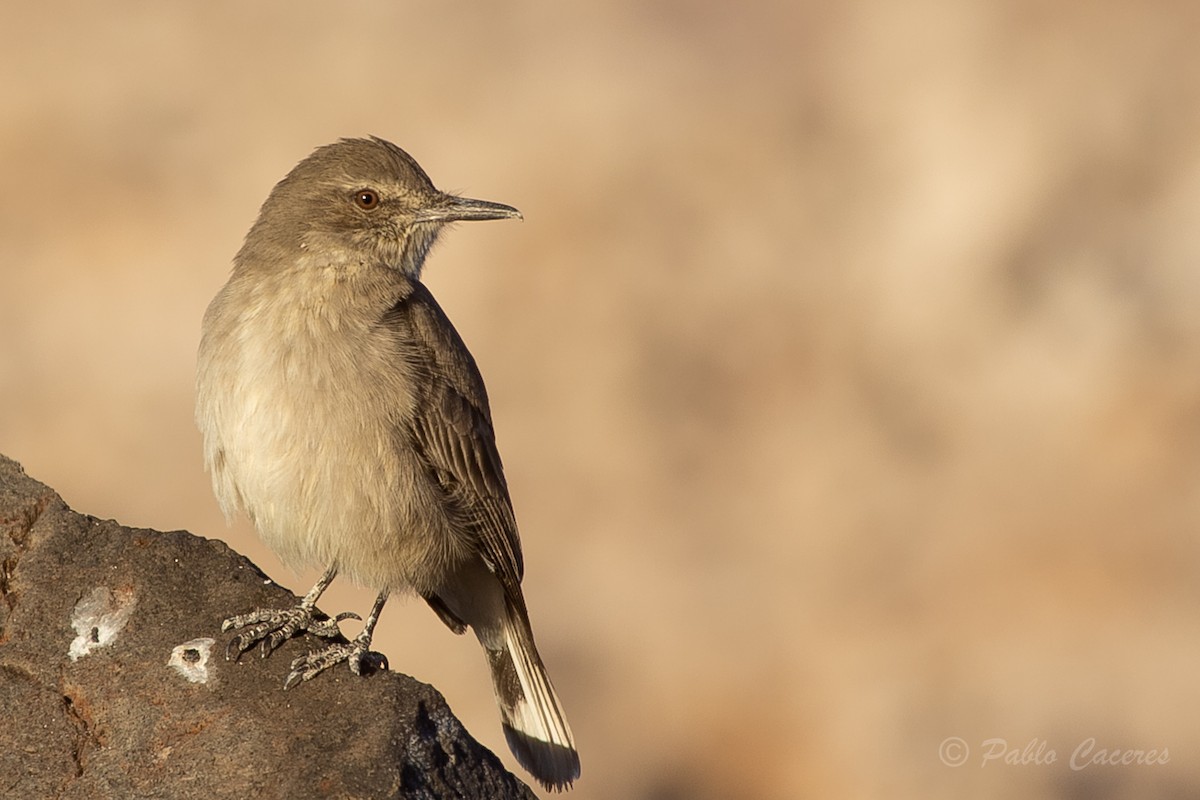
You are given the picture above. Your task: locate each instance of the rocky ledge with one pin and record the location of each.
(114, 684)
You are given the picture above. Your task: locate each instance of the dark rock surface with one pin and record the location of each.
(113, 681)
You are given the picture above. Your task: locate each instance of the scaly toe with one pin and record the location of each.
(328, 628)
(356, 654)
(270, 628)
(307, 667)
(368, 661)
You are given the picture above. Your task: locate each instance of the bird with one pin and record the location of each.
(341, 411)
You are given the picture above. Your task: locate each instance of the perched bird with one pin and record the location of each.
(341, 411)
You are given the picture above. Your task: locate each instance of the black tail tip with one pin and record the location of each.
(554, 766)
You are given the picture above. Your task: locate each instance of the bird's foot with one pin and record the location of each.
(356, 653)
(272, 627)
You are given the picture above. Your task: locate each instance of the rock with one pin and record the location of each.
(113, 681)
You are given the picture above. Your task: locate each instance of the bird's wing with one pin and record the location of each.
(451, 429)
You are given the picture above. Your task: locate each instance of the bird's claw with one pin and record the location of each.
(270, 628)
(356, 653)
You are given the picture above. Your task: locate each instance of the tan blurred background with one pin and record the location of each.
(846, 366)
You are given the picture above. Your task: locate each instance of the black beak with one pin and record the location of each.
(450, 208)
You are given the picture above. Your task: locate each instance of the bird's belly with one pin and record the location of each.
(316, 458)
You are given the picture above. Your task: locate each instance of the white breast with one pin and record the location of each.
(299, 398)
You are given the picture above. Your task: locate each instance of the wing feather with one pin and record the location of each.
(451, 430)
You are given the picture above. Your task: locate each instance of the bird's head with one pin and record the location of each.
(357, 201)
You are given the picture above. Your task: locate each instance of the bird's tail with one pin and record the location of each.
(534, 723)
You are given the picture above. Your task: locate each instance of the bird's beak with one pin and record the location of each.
(450, 208)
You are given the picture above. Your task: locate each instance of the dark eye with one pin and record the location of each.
(366, 198)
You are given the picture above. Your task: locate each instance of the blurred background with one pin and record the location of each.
(846, 366)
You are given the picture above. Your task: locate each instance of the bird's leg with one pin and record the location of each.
(354, 653)
(272, 627)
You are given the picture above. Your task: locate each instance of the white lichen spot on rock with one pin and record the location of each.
(190, 659)
(99, 617)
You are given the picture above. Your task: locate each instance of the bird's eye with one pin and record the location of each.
(366, 198)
